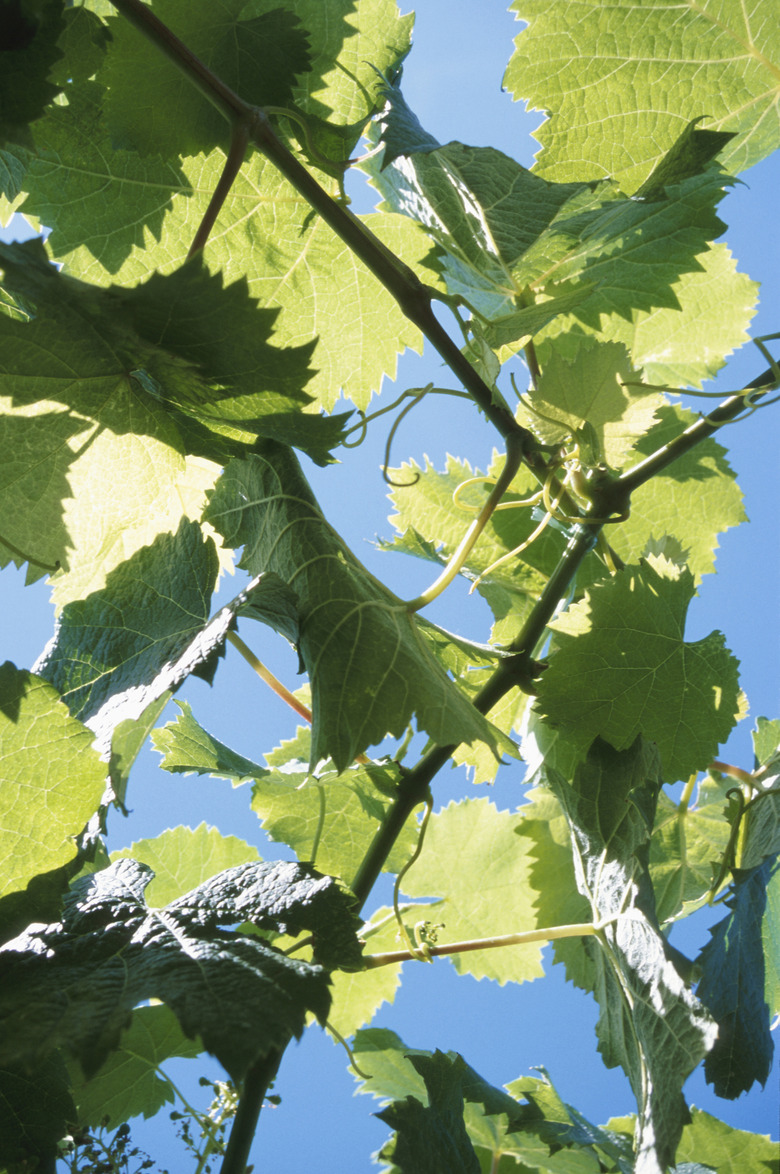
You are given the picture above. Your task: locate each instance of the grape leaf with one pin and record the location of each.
(489, 892)
(188, 749)
(558, 1123)
(75, 982)
(431, 526)
(557, 900)
(693, 500)
(246, 387)
(649, 1021)
(36, 1110)
(538, 1131)
(760, 836)
(682, 344)
(145, 632)
(683, 64)
(432, 1138)
(598, 386)
(183, 858)
(130, 1082)
(733, 987)
(766, 740)
(506, 235)
(328, 818)
(30, 35)
(358, 995)
(686, 849)
(369, 666)
(52, 778)
(621, 667)
(258, 57)
(265, 227)
(723, 1148)
(770, 934)
(75, 421)
(119, 649)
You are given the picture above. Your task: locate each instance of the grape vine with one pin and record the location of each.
(175, 345)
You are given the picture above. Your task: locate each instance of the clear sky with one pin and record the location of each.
(452, 80)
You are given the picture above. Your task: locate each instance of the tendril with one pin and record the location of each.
(339, 1038)
(415, 950)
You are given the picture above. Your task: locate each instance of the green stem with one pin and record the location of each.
(268, 677)
(235, 158)
(514, 455)
(623, 486)
(256, 1085)
(685, 798)
(585, 929)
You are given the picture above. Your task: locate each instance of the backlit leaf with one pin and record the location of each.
(52, 779)
(183, 858)
(677, 64)
(621, 667)
(487, 894)
(130, 1082)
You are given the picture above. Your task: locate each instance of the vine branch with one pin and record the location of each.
(585, 929)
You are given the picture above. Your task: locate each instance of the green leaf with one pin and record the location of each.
(121, 648)
(52, 779)
(725, 1149)
(130, 1081)
(358, 995)
(770, 934)
(508, 238)
(188, 749)
(36, 1109)
(488, 894)
(331, 818)
(682, 346)
(596, 387)
(369, 665)
(328, 818)
(683, 65)
(766, 740)
(557, 1123)
(621, 667)
(212, 361)
(432, 1138)
(687, 848)
(264, 227)
(733, 987)
(760, 835)
(557, 900)
(182, 858)
(693, 501)
(30, 35)
(75, 982)
(538, 1131)
(259, 58)
(649, 1021)
(431, 526)
(75, 420)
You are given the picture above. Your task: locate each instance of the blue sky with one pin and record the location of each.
(452, 81)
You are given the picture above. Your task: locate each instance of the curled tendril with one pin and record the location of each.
(414, 949)
(391, 436)
(362, 427)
